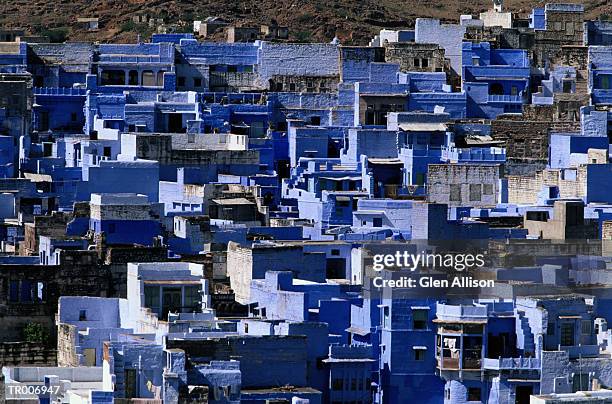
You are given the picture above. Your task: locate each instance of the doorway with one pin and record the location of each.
(523, 394)
(171, 301)
(175, 123)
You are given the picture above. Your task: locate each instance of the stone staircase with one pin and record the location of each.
(525, 338)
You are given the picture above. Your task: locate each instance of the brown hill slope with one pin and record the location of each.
(353, 21)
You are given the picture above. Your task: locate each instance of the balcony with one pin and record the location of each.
(512, 364)
(506, 98)
(473, 155)
(469, 363)
(410, 151)
(132, 59)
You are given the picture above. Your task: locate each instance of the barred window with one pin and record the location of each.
(475, 192)
(455, 192)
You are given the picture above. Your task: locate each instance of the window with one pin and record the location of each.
(417, 62)
(14, 291)
(151, 297)
(419, 319)
(369, 116)
(73, 116)
(538, 216)
(455, 192)
(424, 62)
(475, 192)
(82, 315)
(586, 327)
(496, 89)
(133, 78)
(197, 82)
(44, 121)
(26, 291)
(473, 394)
(148, 78)
(514, 90)
(180, 81)
(386, 316)
(112, 78)
(419, 354)
(40, 291)
(567, 334)
(377, 222)
(487, 189)
(337, 384)
(192, 297)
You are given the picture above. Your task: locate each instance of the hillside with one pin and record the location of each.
(352, 21)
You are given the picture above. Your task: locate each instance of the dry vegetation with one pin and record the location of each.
(352, 21)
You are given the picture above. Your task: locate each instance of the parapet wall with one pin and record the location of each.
(26, 353)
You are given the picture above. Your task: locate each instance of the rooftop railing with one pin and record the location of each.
(59, 91)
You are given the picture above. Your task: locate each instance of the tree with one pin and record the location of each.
(35, 332)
